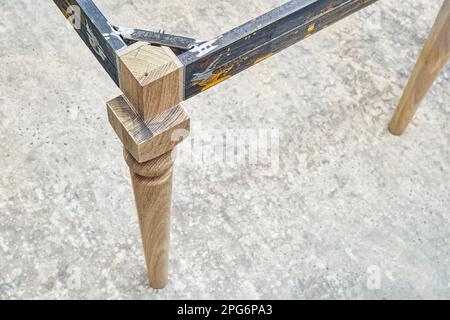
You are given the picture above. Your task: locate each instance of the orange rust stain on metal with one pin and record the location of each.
(310, 30)
(217, 78)
(250, 36)
(65, 13)
(263, 58)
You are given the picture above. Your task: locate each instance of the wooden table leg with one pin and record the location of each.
(152, 185)
(433, 58)
(149, 150)
(150, 122)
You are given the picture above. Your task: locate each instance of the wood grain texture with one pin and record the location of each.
(152, 185)
(151, 78)
(433, 58)
(147, 140)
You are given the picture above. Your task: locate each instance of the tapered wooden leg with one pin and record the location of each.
(149, 147)
(150, 123)
(433, 58)
(152, 185)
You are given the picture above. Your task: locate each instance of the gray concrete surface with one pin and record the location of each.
(351, 213)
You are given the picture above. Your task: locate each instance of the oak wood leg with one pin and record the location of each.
(152, 185)
(150, 121)
(433, 58)
(148, 149)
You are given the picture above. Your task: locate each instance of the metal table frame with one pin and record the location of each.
(157, 71)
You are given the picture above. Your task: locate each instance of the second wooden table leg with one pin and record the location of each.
(433, 58)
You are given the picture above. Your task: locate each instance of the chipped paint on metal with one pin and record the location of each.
(215, 79)
(211, 77)
(125, 31)
(205, 48)
(260, 38)
(113, 33)
(263, 58)
(310, 30)
(209, 63)
(95, 30)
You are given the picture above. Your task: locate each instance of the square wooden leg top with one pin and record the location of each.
(147, 140)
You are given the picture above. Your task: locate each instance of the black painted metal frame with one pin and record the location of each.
(96, 32)
(208, 63)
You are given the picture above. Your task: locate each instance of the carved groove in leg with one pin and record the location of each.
(152, 185)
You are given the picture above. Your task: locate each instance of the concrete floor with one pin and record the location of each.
(351, 213)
